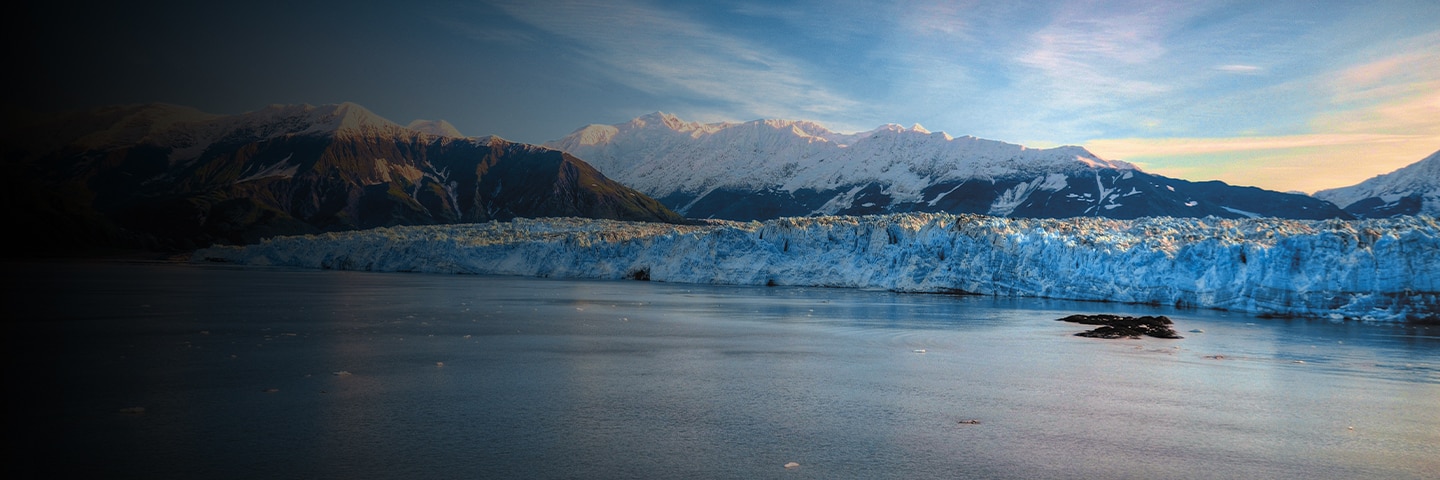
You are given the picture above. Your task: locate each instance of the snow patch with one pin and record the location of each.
(1015, 196)
(282, 169)
(947, 192)
(1242, 212)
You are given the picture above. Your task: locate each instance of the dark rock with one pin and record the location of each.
(1116, 326)
(278, 171)
(642, 274)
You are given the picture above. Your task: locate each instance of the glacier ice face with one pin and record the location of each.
(1382, 269)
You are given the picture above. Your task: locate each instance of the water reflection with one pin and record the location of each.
(513, 377)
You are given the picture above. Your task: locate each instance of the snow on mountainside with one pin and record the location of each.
(662, 154)
(1386, 270)
(1414, 189)
(773, 168)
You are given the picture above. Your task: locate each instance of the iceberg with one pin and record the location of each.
(1374, 270)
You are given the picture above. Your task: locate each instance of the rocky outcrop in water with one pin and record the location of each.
(1116, 326)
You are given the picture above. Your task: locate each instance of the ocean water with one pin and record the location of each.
(277, 373)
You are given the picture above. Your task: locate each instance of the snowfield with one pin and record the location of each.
(1380, 270)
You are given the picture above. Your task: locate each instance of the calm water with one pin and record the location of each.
(501, 377)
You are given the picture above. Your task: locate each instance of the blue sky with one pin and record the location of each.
(1282, 95)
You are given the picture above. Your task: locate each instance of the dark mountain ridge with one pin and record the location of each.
(171, 178)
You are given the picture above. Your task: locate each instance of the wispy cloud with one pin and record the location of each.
(667, 54)
(1305, 163)
(1349, 147)
(1371, 116)
(1083, 72)
(939, 20)
(1414, 72)
(841, 20)
(1237, 68)
(1164, 147)
(1089, 57)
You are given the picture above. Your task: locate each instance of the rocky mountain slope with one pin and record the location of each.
(1411, 190)
(169, 177)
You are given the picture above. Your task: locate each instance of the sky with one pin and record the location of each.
(1289, 96)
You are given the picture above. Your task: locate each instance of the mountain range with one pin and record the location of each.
(1411, 190)
(169, 177)
(776, 168)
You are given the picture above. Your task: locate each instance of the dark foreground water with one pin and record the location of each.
(498, 377)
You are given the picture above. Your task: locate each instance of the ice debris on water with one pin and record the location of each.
(1374, 269)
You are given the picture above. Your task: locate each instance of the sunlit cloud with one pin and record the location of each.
(1310, 165)
(1236, 68)
(1307, 163)
(1380, 114)
(1125, 148)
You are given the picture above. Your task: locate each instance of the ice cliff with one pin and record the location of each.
(1380, 269)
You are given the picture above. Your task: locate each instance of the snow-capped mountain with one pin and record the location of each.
(172, 176)
(1378, 269)
(774, 168)
(1413, 189)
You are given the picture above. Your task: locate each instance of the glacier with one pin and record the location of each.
(1372, 270)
